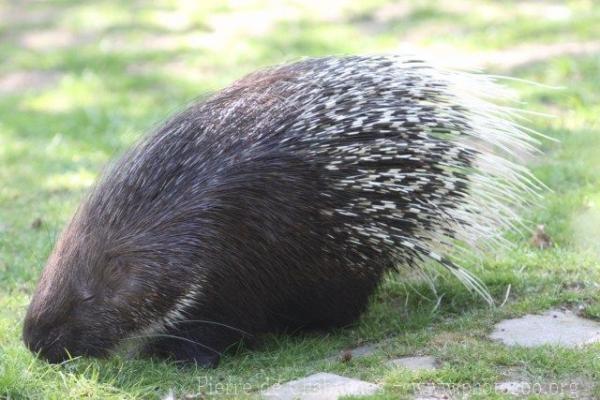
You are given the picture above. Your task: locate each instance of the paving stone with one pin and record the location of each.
(554, 327)
(357, 352)
(320, 386)
(515, 388)
(574, 388)
(414, 363)
(431, 391)
(362, 351)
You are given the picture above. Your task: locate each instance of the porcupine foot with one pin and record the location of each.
(200, 345)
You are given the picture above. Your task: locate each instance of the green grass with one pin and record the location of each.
(121, 67)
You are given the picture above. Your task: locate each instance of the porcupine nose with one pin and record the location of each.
(45, 342)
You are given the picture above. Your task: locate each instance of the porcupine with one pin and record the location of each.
(278, 204)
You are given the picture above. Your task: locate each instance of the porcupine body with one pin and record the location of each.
(278, 204)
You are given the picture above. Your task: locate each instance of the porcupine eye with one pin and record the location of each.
(84, 295)
(87, 297)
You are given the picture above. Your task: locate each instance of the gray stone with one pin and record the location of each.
(515, 388)
(572, 388)
(554, 327)
(320, 386)
(414, 363)
(432, 391)
(363, 351)
(357, 352)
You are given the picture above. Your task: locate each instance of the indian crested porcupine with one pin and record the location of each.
(278, 204)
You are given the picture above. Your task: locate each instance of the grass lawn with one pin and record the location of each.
(80, 81)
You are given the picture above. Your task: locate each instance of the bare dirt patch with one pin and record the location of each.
(48, 39)
(529, 54)
(500, 60)
(15, 82)
(19, 13)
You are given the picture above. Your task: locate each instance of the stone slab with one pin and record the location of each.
(414, 363)
(554, 327)
(357, 352)
(319, 386)
(514, 388)
(363, 351)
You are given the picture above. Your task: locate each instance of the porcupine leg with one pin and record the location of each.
(333, 303)
(174, 350)
(341, 306)
(206, 333)
(193, 343)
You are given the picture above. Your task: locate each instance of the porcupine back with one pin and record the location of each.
(420, 157)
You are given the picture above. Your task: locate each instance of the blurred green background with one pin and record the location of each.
(80, 81)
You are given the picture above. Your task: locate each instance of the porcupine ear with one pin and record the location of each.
(496, 186)
(122, 274)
